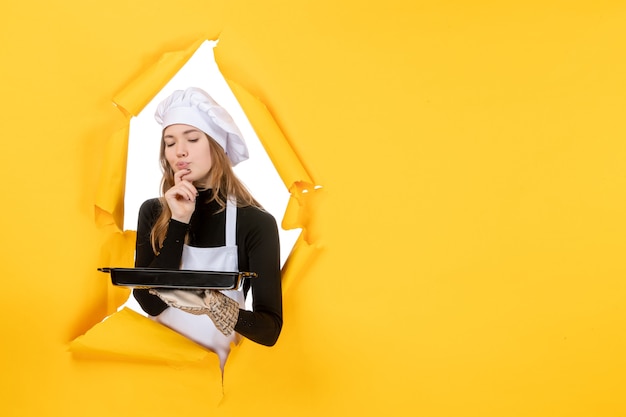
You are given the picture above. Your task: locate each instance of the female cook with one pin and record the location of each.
(207, 220)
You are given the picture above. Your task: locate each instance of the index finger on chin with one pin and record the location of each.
(178, 176)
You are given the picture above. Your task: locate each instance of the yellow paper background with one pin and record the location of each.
(469, 234)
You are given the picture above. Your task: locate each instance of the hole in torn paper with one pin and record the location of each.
(143, 171)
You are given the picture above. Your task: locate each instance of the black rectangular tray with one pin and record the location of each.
(176, 278)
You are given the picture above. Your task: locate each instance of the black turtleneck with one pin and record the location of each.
(258, 251)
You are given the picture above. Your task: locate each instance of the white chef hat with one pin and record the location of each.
(196, 108)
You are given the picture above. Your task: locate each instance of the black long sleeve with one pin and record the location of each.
(169, 256)
(258, 251)
(262, 255)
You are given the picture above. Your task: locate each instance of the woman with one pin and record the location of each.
(207, 220)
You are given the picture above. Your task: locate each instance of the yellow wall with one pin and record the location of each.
(467, 244)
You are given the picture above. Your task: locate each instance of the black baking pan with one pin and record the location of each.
(176, 278)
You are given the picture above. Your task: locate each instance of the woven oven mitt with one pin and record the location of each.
(222, 310)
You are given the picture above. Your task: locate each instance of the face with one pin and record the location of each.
(187, 147)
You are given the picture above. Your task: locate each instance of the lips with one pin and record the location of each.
(182, 165)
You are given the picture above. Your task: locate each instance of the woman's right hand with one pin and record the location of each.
(181, 198)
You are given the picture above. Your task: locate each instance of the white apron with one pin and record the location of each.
(201, 329)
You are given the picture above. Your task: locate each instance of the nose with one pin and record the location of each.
(181, 150)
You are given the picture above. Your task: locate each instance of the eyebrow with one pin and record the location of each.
(184, 133)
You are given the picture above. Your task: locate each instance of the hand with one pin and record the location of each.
(190, 301)
(221, 309)
(181, 198)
